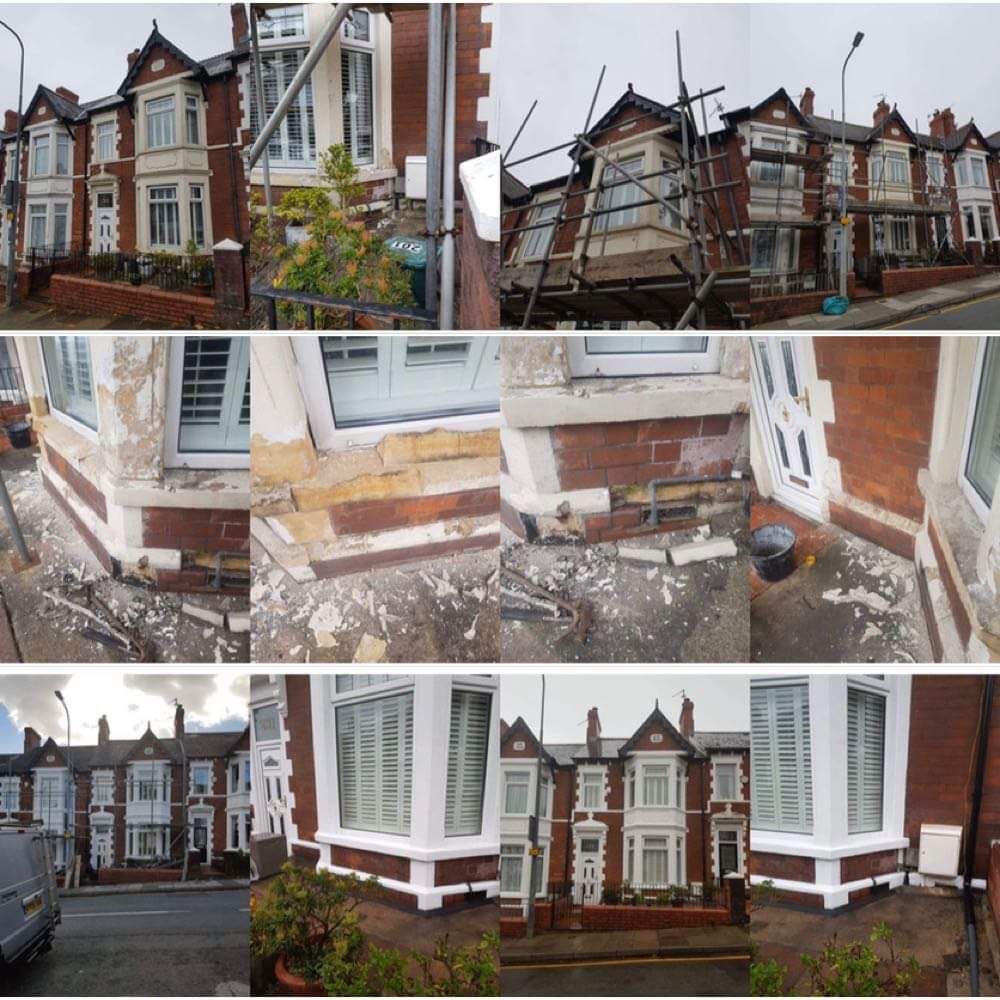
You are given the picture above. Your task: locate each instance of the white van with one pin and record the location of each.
(29, 900)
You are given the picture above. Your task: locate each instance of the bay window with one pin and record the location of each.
(986, 223)
(196, 206)
(214, 417)
(781, 762)
(617, 193)
(899, 233)
(357, 682)
(164, 217)
(294, 142)
(160, 123)
(356, 93)
(969, 216)
(511, 867)
(978, 172)
(865, 760)
(515, 795)
(375, 764)
(768, 173)
(655, 861)
(962, 172)
(655, 785)
(60, 227)
(982, 449)
(191, 119)
(38, 217)
(62, 154)
(281, 23)
(40, 148)
(898, 167)
(670, 214)
(468, 744)
(69, 377)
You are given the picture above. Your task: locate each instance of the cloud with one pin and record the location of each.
(130, 701)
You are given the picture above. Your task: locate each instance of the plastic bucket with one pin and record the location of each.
(772, 551)
(19, 434)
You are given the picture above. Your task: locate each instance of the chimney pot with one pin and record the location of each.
(240, 27)
(10, 121)
(593, 733)
(882, 111)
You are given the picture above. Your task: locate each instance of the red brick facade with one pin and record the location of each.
(164, 310)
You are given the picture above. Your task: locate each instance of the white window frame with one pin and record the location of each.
(626, 193)
(101, 133)
(91, 434)
(37, 137)
(534, 242)
(961, 171)
(514, 852)
(980, 162)
(166, 202)
(201, 202)
(95, 784)
(199, 765)
(170, 116)
(173, 457)
(935, 166)
(584, 365)
(465, 758)
(192, 104)
(306, 101)
(726, 762)
(505, 781)
(970, 222)
(970, 492)
(671, 215)
(349, 43)
(864, 693)
(10, 786)
(328, 437)
(269, 40)
(591, 771)
(989, 231)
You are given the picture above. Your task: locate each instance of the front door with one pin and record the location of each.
(588, 883)
(200, 838)
(102, 847)
(269, 768)
(729, 852)
(782, 408)
(107, 235)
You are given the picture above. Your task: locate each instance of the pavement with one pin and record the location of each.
(927, 923)
(980, 296)
(857, 603)
(38, 631)
(655, 977)
(146, 888)
(643, 612)
(34, 314)
(149, 944)
(441, 610)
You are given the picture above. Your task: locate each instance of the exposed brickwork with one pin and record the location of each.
(650, 918)
(479, 295)
(883, 397)
(867, 866)
(915, 278)
(196, 529)
(959, 614)
(393, 557)
(785, 866)
(167, 310)
(993, 882)
(84, 489)
(378, 515)
(100, 552)
(371, 862)
(944, 718)
(299, 749)
(891, 538)
(456, 870)
(122, 876)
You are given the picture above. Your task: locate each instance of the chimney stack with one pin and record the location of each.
(31, 739)
(132, 56)
(687, 718)
(593, 733)
(881, 112)
(103, 731)
(68, 94)
(806, 104)
(10, 121)
(179, 722)
(238, 20)
(943, 123)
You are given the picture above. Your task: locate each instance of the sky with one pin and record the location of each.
(921, 56)
(545, 54)
(130, 701)
(55, 54)
(623, 700)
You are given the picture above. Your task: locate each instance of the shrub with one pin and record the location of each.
(767, 979)
(862, 968)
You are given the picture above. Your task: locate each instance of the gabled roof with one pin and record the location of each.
(878, 131)
(831, 127)
(960, 136)
(993, 141)
(656, 716)
(782, 95)
(65, 110)
(156, 39)
(630, 99)
(520, 727)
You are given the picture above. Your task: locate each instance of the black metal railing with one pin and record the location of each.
(637, 894)
(194, 274)
(763, 286)
(304, 310)
(12, 391)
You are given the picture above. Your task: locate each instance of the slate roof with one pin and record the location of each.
(568, 754)
(115, 752)
(709, 741)
(994, 141)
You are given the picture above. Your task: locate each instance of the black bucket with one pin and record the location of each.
(19, 434)
(772, 551)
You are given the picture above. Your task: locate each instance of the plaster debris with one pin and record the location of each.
(703, 550)
(470, 633)
(857, 595)
(238, 621)
(370, 650)
(204, 614)
(643, 555)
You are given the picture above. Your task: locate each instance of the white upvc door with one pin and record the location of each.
(106, 222)
(275, 802)
(781, 405)
(102, 848)
(588, 879)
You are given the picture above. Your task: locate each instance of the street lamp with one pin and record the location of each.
(72, 786)
(14, 184)
(843, 167)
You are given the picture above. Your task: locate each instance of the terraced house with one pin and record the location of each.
(134, 803)
(620, 820)
(923, 206)
(154, 168)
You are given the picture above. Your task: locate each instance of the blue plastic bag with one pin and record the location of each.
(835, 305)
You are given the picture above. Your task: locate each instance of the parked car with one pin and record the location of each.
(29, 900)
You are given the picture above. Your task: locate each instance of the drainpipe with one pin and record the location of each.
(16, 179)
(233, 138)
(985, 713)
(447, 316)
(701, 806)
(435, 68)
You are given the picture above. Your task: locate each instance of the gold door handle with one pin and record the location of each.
(804, 399)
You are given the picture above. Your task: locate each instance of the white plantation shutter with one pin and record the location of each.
(375, 764)
(865, 753)
(781, 762)
(294, 142)
(215, 395)
(356, 88)
(468, 742)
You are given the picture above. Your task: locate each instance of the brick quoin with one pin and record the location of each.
(883, 395)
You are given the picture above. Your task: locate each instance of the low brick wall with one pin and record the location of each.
(912, 279)
(122, 876)
(513, 927)
(166, 309)
(777, 307)
(650, 918)
(889, 537)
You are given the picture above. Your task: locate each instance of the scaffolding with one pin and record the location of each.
(694, 197)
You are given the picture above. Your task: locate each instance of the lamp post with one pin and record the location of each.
(72, 789)
(535, 865)
(15, 182)
(843, 167)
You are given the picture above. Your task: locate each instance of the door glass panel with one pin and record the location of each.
(765, 364)
(215, 395)
(789, 359)
(804, 454)
(373, 380)
(781, 445)
(983, 464)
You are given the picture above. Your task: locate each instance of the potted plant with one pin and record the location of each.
(303, 916)
(677, 896)
(198, 268)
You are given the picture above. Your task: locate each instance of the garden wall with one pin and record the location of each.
(651, 918)
(773, 308)
(912, 279)
(165, 309)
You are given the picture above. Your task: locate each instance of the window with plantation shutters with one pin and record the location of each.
(375, 764)
(356, 90)
(69, 377)
(468, 742)
(781, 762)
(215, 395)
(294, 142)
(865, 757)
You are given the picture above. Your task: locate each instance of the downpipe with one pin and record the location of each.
(973, 834)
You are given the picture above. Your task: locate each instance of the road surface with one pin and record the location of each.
(654, 977)
(983, 314)
(149, 944)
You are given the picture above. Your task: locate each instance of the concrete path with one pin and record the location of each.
(34, 314)
(874, 314)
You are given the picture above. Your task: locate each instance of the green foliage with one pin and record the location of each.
(762, 894)
(305, 914)
(862, 968)
(767, 979)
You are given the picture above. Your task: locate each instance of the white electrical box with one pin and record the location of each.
(939, 849)
(416, 177)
